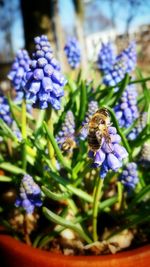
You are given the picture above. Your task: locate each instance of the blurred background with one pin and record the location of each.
(91, 21)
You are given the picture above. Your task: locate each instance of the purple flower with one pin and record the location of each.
(73, 52)
(115, 74)
(126, 110)
(124, 63)
(110, 155)
(5, 110)
(139, 127)
(92, 108)
(129, 57)
(30, 195)
(129, 176)
(106, 57)
(45, 82)
(19, 70)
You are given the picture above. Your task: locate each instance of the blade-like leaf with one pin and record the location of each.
(11, 168)
(66, 223)
(61, 158)
(54, 196)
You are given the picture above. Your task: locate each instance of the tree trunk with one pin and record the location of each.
(37, 19)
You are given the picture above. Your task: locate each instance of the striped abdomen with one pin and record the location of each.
(93, 142)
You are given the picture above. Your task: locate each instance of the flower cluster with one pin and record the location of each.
(129, 57)
(73, 53)
(5, 110)
(45, 82)
(106, 57)
(19, 70)
(92, 108)
(110, 154)
(129, 176)
(67, 129)
(124, 63)
(30, 194)
(115, 74)
(126, 110)
(139, 127)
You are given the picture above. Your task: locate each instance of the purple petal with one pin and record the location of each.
(107, 147)
(99, 157)
(113, 162)
(38, 74)
(34, 87)
(47, 83)
(120, 152)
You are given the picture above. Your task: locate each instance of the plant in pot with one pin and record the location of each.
(74, 173)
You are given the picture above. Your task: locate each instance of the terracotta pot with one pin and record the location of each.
(16, 254)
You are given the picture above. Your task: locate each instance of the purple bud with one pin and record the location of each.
(113, 162)
(99, 157)
(38, 74)
(47, 83)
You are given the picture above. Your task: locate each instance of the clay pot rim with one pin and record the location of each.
(25, 250)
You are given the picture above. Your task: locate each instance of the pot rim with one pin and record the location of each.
(25, 250)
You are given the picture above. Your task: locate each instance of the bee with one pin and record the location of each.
(98, 128)
(68, 144)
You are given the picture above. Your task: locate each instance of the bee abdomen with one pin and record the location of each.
(92, 141)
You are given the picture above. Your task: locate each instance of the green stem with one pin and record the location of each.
(24, 134)
(120, 194)
(40, 119)
(50, 146)
(97, 194)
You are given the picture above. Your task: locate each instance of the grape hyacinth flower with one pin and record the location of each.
(92, 108)
(115, 74)
(19, 69)
(45, 82)
(129, 176)
(73, 53)
(106, 57)
(5, 110)
(129, 57)
(110, 155)
(124, 63)
(139, 127)
(67, 129)
(30, 194)
(126, 110)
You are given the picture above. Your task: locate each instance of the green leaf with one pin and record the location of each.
(80, 193)
(11, 168)
(71, 188)
(62, 160)
(4, 178)
(66, 223)
(140, 196)
(12, 112)
(54, 196)
(8, 131)
(140, 80)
